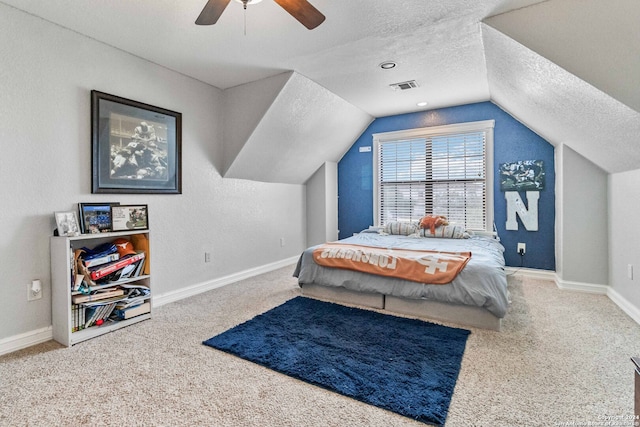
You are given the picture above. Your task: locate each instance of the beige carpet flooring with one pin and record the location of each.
(563, 357)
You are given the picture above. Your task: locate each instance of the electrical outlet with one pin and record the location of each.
(207, 257)
(282, 241)
(630, 271)
(522, 248)
(34, 290)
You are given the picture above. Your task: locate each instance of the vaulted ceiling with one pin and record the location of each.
(568, 69)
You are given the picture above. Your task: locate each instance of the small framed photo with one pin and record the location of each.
(67, 223)
(95, 217)
(136, 147)
(129, 217)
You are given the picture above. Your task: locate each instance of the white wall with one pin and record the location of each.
(624, 246)
(322, 205)
(583, 219)
(46, 75)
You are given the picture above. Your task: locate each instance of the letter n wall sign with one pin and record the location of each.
(524, 175)
(516, 207)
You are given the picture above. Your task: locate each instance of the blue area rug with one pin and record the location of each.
(403, 365)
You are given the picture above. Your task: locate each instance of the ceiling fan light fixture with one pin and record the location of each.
(249, 2)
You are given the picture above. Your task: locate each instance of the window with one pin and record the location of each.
(443, 170)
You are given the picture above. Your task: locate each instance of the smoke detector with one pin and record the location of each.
(411, 84)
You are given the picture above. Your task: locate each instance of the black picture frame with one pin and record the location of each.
(523, 175)
(95, 217)
(136, 147)
(129, 217)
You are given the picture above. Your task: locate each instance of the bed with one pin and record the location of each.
(476, 297)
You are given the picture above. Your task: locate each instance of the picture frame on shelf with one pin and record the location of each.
(136, 147)
(67, 223)
(95, 217)
(129, 217)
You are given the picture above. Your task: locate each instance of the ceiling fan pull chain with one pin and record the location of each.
(244, 4)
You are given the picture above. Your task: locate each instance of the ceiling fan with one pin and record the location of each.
(302, 10)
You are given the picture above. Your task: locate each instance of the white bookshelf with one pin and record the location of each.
(62, 250)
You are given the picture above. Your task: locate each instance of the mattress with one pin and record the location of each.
(482, 283)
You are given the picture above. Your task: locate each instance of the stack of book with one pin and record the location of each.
(93, 272)
(102, 289)
(98, 314)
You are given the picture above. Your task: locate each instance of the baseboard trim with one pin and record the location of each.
(567, 285)
(590, 288)
(18, 342)
(631, 310)
(189, 291)
(531, 272)
(28, 339)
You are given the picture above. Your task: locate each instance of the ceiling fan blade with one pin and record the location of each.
(211, 12)
(303, 11)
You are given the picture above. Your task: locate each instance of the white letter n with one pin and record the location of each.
(529, 217)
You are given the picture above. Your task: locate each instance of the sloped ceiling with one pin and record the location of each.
(568, 69)
(438, 43)
(596, 115)
(597, 41)
(283, 128)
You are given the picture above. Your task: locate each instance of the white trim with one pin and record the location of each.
(28, 339)
(631, 310)
(189, 291)
(531, 272)
(434, 130)
(590, 288)
(483, 125)
(564, 285)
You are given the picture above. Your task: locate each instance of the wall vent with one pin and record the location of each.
(404, 85)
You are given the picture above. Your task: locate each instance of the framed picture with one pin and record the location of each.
(67, 223)
(524, 175)
(136, 147)
(95, 217)
(129, 217)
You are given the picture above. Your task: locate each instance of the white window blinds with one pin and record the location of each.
(439, 174)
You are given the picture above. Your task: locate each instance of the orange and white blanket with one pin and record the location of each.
(430, 267)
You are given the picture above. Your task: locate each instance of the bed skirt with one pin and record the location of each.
(454, 313)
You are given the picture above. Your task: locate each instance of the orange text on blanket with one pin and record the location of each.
(430, 267)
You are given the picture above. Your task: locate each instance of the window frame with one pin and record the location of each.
(485, 126)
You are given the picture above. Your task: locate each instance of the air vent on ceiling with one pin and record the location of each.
(404, 85)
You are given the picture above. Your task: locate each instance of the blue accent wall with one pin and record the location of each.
(512, 141)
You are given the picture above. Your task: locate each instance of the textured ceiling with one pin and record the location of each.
(287, 137)
(437, 43)
(598, 41)
(568, 69)
(561, 107)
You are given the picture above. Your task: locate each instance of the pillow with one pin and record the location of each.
(372, 229)
(446, 231)
(400, 227)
